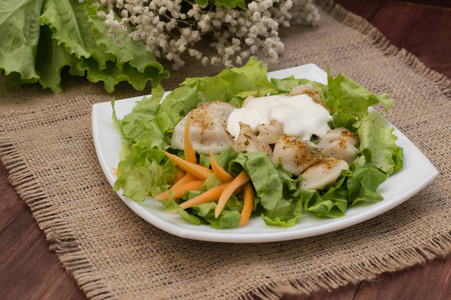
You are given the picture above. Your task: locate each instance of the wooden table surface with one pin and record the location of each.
(29, 270)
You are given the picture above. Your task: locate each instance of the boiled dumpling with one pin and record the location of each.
(220, 109)
(308, 90)
(326, 172)
(269, 133)
(207, 132)
(339, 143)
(248, 142)
(295, 154)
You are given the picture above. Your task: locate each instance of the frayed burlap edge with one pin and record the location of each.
(58, 235)
(369, 270)
(64, 243)
(437, 247)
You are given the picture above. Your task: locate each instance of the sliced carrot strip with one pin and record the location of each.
(189, 150)
(114, 170)
(218, 170)
(210, 195)
(180, 190)
(197, 170)
(241, 179)
(179, 174)
(185, 179)
(248, 203)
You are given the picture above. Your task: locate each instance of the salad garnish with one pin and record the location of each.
(224, 184)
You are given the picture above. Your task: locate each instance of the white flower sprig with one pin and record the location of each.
(171, 28)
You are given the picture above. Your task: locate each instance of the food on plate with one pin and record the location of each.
(295, 154)
(247, 141)
(323, 173)
(208, 129)
(340, 143)
(221, 150)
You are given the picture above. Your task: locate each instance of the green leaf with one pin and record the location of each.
(77, 28)
(145, 171)
(171, 206)
(230, 4)
(181, 100)
(268, 182)
(227, 219)
(255, 72)
(285, 85)
(51, 59)
(341, 119)
(316, 203)
(225, 157)
(343, 94)
(20, 28)
(201, 2)
(127, 51)
(71, 28)
(363, 183)
(377, 143)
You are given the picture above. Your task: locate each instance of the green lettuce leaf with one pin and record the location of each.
(273, 193)
(170, 206)
(144, 171)
(319, 205)
(359, 184)
(363, 183)
(51, 59)
(343, 94)
(20, 28)
(377, 144)
(83, 34)
(230, 4)
(227, 219)
(285, 85)
(79, 39)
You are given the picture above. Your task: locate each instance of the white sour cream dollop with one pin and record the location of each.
(300, 115)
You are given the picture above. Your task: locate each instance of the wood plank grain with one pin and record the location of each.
(366, 9)
(430, 281)
(344, 293)
(10, 206)
(28, 269)
(442, 3)
(422, 29)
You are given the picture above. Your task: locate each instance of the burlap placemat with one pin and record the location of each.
(46, 144)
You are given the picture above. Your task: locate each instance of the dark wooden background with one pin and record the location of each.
(29, 270)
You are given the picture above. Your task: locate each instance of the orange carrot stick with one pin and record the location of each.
(218, 170)
(179, 174)
(241, 179)
(248, 203)
(189, 150)
(197, 170)
(114, 170)
(180, 190)
(210, 195)
(185, 179)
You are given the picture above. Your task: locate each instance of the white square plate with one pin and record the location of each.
(416, 173)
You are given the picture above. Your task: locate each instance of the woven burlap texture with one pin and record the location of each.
(46, 144)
